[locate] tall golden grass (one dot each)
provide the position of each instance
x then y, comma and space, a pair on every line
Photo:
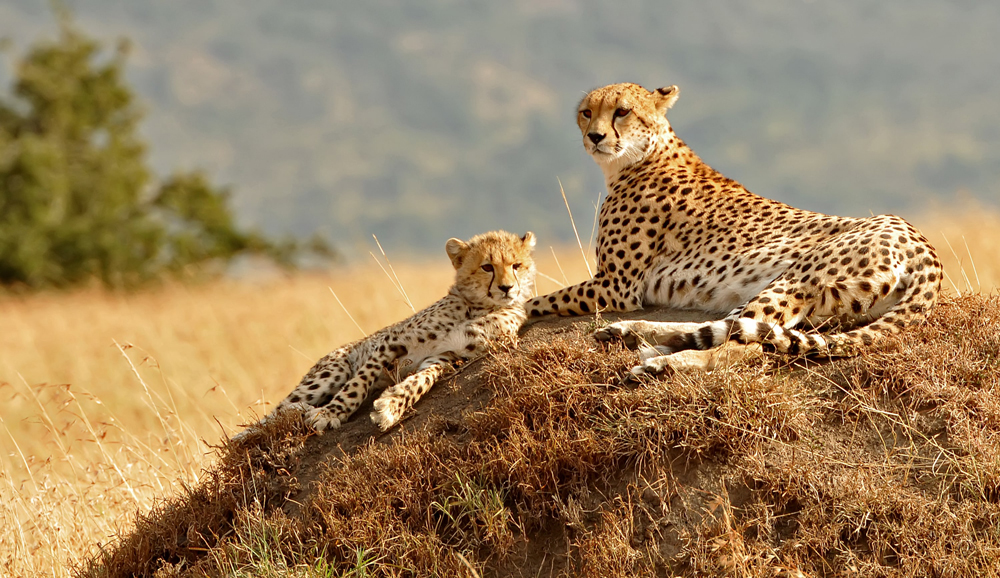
967, 238
112, 400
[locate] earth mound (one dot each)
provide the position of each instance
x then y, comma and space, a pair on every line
540, 460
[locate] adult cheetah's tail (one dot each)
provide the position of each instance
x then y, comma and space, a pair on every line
915, 300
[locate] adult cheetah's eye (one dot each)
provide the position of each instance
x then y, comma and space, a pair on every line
585, 113
488, 268
622, 112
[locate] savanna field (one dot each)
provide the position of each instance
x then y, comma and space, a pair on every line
115, 401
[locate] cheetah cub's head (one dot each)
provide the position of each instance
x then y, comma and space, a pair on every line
494, 269
621, 123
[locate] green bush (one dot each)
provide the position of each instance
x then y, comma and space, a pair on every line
77, 199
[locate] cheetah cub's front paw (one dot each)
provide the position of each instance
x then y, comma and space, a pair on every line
621, 330
322, 419
388, 410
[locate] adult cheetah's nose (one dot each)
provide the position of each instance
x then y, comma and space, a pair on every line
595, 137
505, 288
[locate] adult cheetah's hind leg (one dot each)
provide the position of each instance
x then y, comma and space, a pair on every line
395, 400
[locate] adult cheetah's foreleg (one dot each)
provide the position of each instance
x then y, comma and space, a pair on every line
602, 293
395, 400
654, 362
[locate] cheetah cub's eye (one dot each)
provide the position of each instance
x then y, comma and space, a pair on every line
516, 266
488, 268
585, 113
622, 112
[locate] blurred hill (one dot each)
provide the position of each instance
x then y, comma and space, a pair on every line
420, 122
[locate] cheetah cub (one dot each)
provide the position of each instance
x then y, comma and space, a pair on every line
675, 232
494, 277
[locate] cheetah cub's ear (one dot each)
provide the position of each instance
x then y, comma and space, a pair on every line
666, 97
456, 249
529, 240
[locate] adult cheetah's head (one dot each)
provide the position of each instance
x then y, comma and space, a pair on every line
494, 269
620, 122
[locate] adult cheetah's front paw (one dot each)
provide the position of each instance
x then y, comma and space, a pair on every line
619, 331
652, 367
388, 411
322, 419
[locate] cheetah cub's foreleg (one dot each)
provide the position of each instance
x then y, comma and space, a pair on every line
395, 400
470, 338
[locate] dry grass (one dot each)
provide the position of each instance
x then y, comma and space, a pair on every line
95, 432
114, 400
966, 237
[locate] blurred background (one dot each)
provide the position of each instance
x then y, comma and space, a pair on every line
417, 121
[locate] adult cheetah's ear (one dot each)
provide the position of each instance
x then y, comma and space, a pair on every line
456, 249
666, 97
529, 240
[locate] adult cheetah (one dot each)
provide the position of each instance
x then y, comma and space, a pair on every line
494, 277
675, 232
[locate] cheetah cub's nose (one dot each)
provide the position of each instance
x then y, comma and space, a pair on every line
505, 288
595, 137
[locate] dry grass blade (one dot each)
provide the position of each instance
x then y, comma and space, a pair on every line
465, 562
593, 226
349, 316
548, 278
392, 278
972, 261
961, 265
559, 266
50, 424
109, 460
145, 388
575, 233
20, 453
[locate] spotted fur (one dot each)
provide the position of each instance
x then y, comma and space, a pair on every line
675, 232
494, 277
